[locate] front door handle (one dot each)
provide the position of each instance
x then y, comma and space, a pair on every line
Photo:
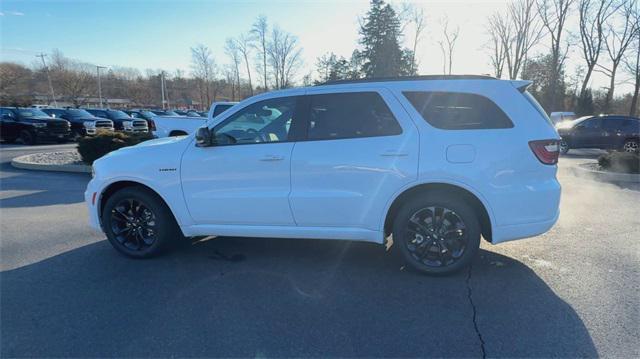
271, 158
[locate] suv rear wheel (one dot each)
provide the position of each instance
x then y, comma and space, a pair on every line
437, 233
631, 146
138, 223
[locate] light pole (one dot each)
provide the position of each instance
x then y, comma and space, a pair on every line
53, 95
99, 84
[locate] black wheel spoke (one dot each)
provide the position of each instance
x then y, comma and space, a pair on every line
133, 224
436, 236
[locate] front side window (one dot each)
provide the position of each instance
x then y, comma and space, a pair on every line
458, 111
592, 123
350, 115
262, 122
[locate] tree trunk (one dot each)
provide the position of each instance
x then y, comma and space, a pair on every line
634, 100
587, 77
612, 86
246, 61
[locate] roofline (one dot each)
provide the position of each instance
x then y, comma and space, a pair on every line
409, 78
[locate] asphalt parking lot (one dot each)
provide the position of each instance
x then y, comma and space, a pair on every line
574, 291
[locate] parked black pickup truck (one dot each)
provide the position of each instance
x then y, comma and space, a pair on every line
607, 132
31, 125
82, 122
121, 121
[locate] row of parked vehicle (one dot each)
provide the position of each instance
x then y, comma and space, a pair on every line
31, 125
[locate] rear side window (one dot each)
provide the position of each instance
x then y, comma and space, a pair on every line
611, 123
458, 111
220, 109
350, 115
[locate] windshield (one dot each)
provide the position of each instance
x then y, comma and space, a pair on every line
118, 115
32, 112
78, 113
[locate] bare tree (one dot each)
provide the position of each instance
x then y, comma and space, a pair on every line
243, 44
518, 31
620, 32
73, 78
14, 83
410, 14
593, 15
553, 14
231, 49
260, 30
284, 57
447, 45
203, 68
498, 52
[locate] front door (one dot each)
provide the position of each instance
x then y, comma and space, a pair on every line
245, 178
587, 134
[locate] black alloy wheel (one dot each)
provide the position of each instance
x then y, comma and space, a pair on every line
138, 223
437, 233
133, 224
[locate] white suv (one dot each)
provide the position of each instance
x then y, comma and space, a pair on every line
430, 163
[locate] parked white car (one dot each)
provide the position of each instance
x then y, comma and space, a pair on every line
169, 126
429, 163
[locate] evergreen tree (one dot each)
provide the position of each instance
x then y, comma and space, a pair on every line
382, 54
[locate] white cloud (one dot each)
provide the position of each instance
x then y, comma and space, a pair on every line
15, 13
1, 13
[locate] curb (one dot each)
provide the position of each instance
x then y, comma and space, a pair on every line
582, 170
23, 162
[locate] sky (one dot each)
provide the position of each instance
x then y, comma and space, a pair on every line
158, 34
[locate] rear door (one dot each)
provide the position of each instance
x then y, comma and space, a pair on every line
612, 132
360, 149
588, 133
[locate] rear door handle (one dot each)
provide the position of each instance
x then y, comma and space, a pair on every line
271, 158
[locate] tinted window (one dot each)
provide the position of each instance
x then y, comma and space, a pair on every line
350, 115
98, 113
611, 123
592, 123
458, 111
264, 121
220, 109
32, 112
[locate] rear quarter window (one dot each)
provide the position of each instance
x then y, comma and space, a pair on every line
458, 111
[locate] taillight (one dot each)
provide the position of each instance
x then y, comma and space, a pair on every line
547, 151
152, 125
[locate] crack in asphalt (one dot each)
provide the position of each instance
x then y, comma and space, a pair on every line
473, 306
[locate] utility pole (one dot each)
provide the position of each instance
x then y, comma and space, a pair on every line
162, 87
99, 84
53, 95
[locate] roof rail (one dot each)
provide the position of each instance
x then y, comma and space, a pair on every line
409, 78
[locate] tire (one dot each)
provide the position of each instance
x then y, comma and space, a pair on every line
631, 146
156, 234
564, 147
428, 250
28, 138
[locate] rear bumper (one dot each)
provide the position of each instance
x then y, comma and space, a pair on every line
520, 231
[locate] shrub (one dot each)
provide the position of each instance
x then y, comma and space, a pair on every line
620, 162
92, 148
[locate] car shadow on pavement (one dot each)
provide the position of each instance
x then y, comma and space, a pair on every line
25, 188
254, 297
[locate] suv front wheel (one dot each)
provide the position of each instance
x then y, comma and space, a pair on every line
437, 233
138, 223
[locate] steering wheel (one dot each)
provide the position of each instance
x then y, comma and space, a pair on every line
260, 137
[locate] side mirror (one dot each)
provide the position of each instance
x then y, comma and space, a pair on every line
203, 137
